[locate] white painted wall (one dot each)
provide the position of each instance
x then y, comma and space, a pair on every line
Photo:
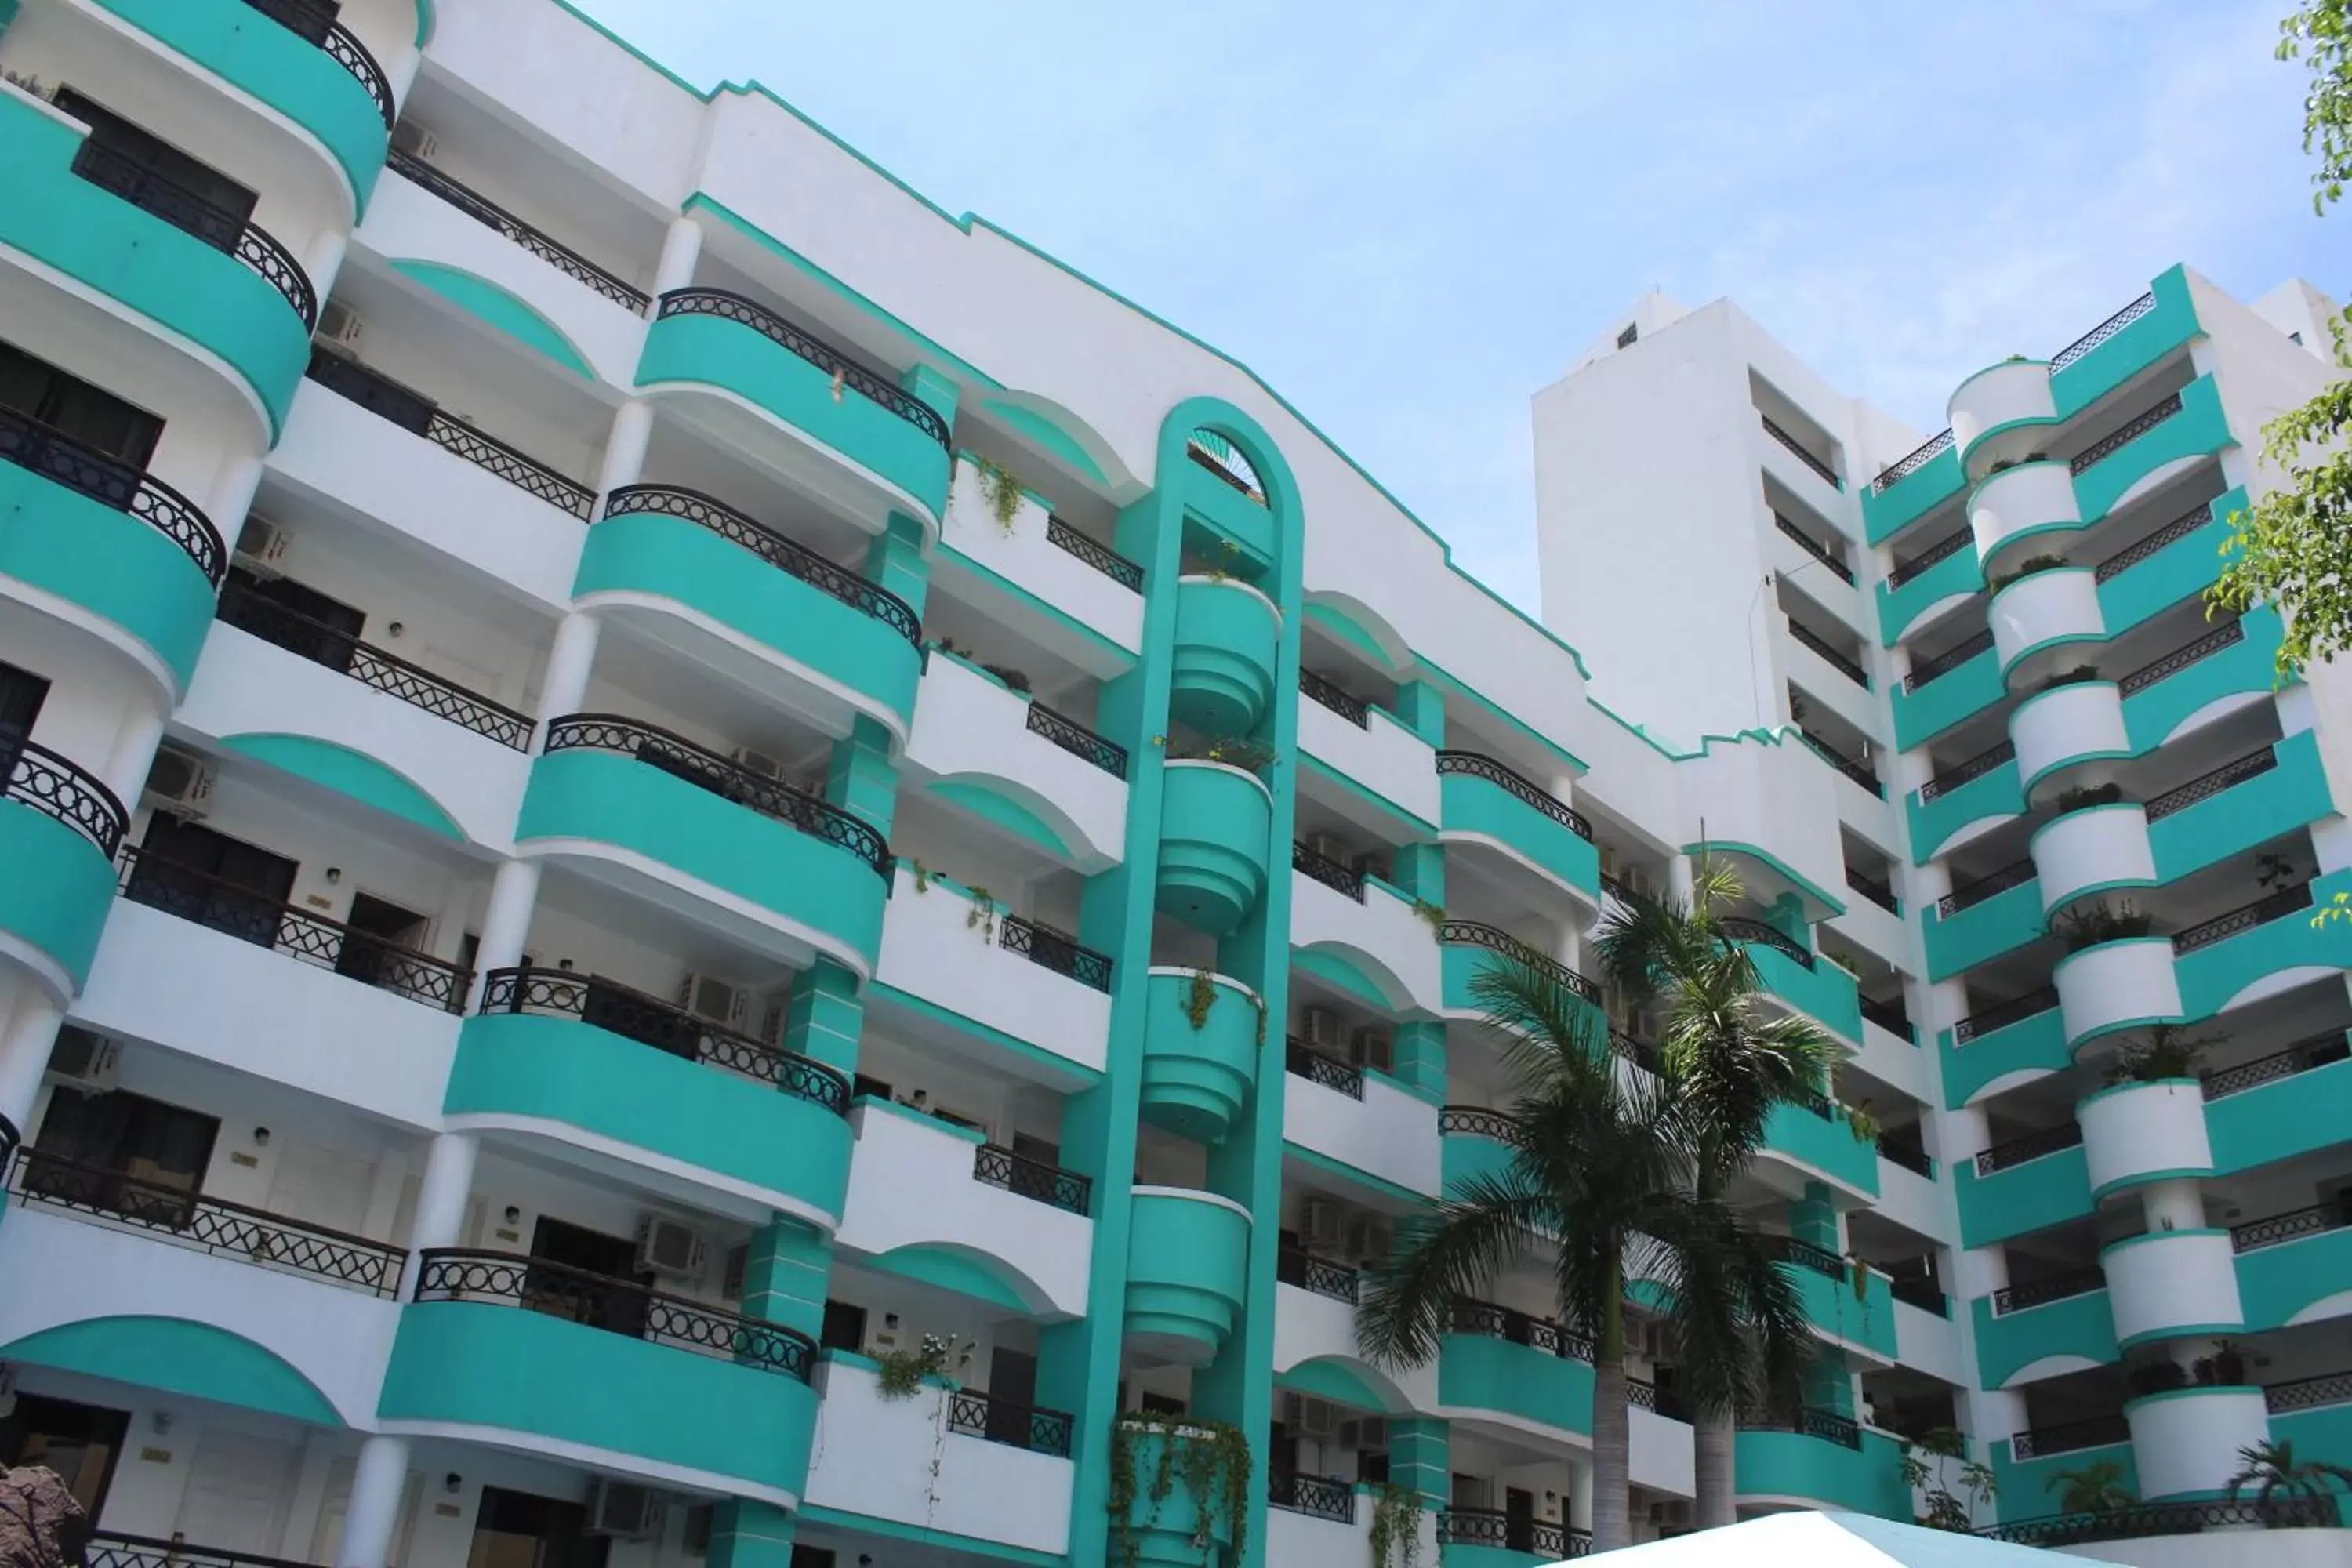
1305, 1538
1388, 1134
970, 727
1382, 928
2248, 1549
2156, 1128
2187, 1280
1774, 794
2189, 1443
930, 949
1308, 1325
1022, 555
1384, 757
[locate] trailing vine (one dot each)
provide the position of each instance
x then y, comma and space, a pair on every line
922, 875
1002, 488
1432, 915
1396, 1527
1212, 1460
903, 1371
983, 915
1199, 998
1258, 1002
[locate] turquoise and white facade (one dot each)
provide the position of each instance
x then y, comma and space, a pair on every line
641, 771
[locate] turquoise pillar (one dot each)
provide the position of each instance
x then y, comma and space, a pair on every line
895, 561
933, 388
1421, 1059
1828, 1384
861, 779
1422, 708
785, 1275
1419, 1450
822, 1015
747, 1534
1813, 1219
1421, 871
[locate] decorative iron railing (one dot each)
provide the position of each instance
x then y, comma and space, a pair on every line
371, 666
2292, 1226
1099, 556
708, 770
1828, 655
2147, 1519
1977, 890
1219, 464
2308, 1392
1078, 740
1910, 463
2207, 786
617, 1306
2102, 332
2032, 1146
1828, 474
1975, 768
1471, 933
1305, 857
2317, 1051
153, 192
2070, 1437
1926, 674
240, 911
1640, 1053
368, 387
1870, 888
1812, 547
483, 210
1057, 951
1311, 1495
1747, 932
32, 774
1890, 1016
1339, 1282
1489, 1527
1032, 1179
1809, 1422
1910, 1155
2223, 636
1491, 1321
846, 372
2179, 528
788, 556
1484, 767
1304, 1061
2051, 1288
1475, 1122
109, 1549
1921, 1292
207, 1223
1853, 768
1806, 1254
1943, 549
2100, 451
2262, 911
1354, 709
2002, 1014
633, 1014
52, 453
317, 24
1039, 1430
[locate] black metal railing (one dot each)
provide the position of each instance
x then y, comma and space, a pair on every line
35, 776
2031, 1146
1354, 709
2317, 1051
1032, 1179
1640, 1053
729, 781
1969, 772
2245, 918
1802, 1253
1952, 659
1470, 933
1829, 655
2050, 1287
1828, 474
2002, 1015
2102, 332
846, 372
1057, 951
1307, 1062
240, 911
663, 1026
1890, 1016
1812, 547
2207, 786
1095, 553
1508, 1532
1935, 554
1039, 1430
786, 555
317, 25
2070, 1437
1853, 768
2308, 1392
483, 210
2292, 1226
1977, 890
1910, 463
2179, 528
1495, 1322
1295, 1266
1311, 1495
617, 1306
1218, 466
1907, 1153
2100, 451
1484, 767
1475, 1122
1305, 857
208, 1223
339, 651
1922, 1291
9, 1139
1809, 1422
2140, 1519
367, 387
2223, 636
153, 192
1078, 740
57, 457
1870, 888
110, 1548
1747, 932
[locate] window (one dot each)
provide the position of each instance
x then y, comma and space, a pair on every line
1625, 339
21, 695
123, 1153
519, 1530
149, 171
199, 875
117, 440
80, 1442
844, 1328
380, 395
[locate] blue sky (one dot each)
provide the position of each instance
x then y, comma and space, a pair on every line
1409, 217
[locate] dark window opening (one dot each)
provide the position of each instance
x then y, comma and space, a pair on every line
1625, 339
844, 1328
615, 1300
80, 1442
520, 1530
153, 1156
236, 888
150, 173
294, 616
113, 439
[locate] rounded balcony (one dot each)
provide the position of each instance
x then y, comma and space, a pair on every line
2070, 734
2037, 618
2126, 984
2187, 1442
650, 812
59, 829
1214, 828
2019, 504
1227, 637
2172, 1284
1187, 1273
2002, 414
2094, 850
1203, 1036
2138, 1132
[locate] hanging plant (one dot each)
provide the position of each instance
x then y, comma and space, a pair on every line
1199, 998
1863, 1124
1214, 1459
922, 875
903, 1371
1259, 1003
1432, 915
983, 915
1002, 488
1396, 1527
1861, 1286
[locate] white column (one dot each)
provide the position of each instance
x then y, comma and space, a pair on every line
681, 248
625, 447
231, 497
568, 663
2174, 1206
1579, 1495
441, 1200
325, 263
1679, 878
24, 1054
377, 1481
400, 73
514, 896
133, 754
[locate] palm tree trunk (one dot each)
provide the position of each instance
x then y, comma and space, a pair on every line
1711, 1454
1612, 1524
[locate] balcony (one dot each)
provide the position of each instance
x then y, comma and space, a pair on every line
1225, 499
2002, 413
1485, 803
1369, 747
2037, 618
1940, 692
1035, 985
1485, 1538
59, 828
870, 447
2025, 1184
2221, 959
1363, 933
2292, 1267
611, 793
1820, 553
579, 1060
1806, 460
1062, 588
987, 742
1228, 637
120, 543
1982, 918
1982, 790
1198, 1073
2025, 1033
1943, 573
1215, 824
2280, 1107
2093, 850
2168, 565
1365, 1123
2134, 1133
2187, 425
629, 1378
2238, 806
224, 286
2026, 501
1816, 1137
2173, 694
1862, 1322
835, 631
2044, 1328
2064, 731
1525, 1368
1818, 1458
2142, 1520
1911, 487
1801, 980
1187, 1272
2169, 1284
2189, 1442
1467, 946
2114, 985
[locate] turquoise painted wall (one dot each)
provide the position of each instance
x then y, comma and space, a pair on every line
1478, 1372
350, 774
57, 889
2293, 794
1466, 1156
2182, 568
2197, 429
2210, 976
1998, 793
1832, 1306
2133, 349
1888, 512
1826, 1144
1473, 805
175, 1355
2283, 1120
2021, 1199
1792, 1465
2008, 1342
1220, 677
1825, 992
1217, 515
1962, 692
1214, 846
1187, 1269
2025, 1484
2247, 666
1196, 1082
2321, 1434
1958, 573
2276, 1283
2006, 921
107, 561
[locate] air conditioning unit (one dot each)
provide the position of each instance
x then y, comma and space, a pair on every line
1310, 1417
1320, 1027
339, 323
1677, 1512
1371, 1048
82, 1060
260, 545
1370, 1434
622, 1510
179, 781
1370, 1239
1328, 846
667, 1248
414, 140
1322, 1223
708, 997
759, 763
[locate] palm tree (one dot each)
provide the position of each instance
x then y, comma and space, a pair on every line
2272, 1468
1743, 1343
2097, 1487
1598, 1188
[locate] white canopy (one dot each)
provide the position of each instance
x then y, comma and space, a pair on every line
1832, 1540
